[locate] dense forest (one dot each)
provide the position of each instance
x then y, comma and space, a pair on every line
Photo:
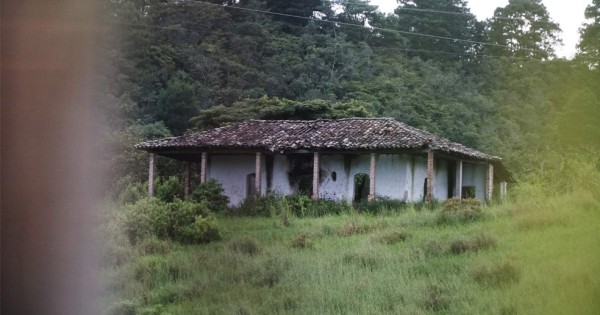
496, 85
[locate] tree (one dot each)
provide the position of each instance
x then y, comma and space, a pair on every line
418, 16
589, 43
523, 28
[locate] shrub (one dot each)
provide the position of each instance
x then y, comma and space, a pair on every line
263, 206
154, 246
132, 192
245, 245
380, 204
459, 210
434, 248
391, 238
202, 230
168, 189
143, 219
178, 220
352, 228
212, 193
498, 274
436, 299
303, 240
480, 242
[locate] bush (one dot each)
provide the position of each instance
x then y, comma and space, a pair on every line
391, 238
380, 205
186, 222
303, 240
478, 243
212, 193
245, 245
168, 189
460, 210
498, 274
262, 206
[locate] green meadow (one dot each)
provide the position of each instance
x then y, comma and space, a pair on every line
527, 255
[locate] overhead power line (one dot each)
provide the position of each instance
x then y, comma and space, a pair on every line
178, 27
365, 5
363, 26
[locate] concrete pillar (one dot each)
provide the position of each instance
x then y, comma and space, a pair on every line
430, 179
502, 190
489, 182
186, 180
372, 175
257, 177
315, 185
203, 168
151, 167
459, 180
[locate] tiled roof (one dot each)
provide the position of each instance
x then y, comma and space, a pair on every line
322, 134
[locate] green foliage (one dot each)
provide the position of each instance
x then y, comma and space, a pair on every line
480, 242
275, 108
498, 274
526, 28
168, 189
460, 210
185, 222
244, 245
211, 192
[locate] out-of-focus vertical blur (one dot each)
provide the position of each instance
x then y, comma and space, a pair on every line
49, 177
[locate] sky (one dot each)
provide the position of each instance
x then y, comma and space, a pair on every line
568, 14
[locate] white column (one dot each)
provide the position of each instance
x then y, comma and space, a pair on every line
459, 180
430, 179
257, 177
151, 167
315, 185
489, 187
203, 168
372, 176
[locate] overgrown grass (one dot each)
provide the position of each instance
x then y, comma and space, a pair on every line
528, 256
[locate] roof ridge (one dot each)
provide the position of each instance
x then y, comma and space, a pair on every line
319, 119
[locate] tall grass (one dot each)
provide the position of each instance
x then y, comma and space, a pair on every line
537, 253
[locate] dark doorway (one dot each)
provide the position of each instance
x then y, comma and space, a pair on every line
251, 185
451, 178
301, 172
361, 187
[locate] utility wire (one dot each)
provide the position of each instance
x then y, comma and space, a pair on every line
365, 5
363, 26
177, 27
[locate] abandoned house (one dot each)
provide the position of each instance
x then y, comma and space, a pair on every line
352, 159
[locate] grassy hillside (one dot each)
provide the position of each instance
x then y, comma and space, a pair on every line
532, 256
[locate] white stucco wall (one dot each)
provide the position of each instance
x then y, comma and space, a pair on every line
474, 175
440, 180
419, 174
328, 188
230, 170
280, 180
398, 176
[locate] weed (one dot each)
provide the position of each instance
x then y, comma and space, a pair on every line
391, 238
436, 300
154, 246
497, 275
434, 248
245, 245
480, 242
363, 260
459, 210
352, 228
302, 240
